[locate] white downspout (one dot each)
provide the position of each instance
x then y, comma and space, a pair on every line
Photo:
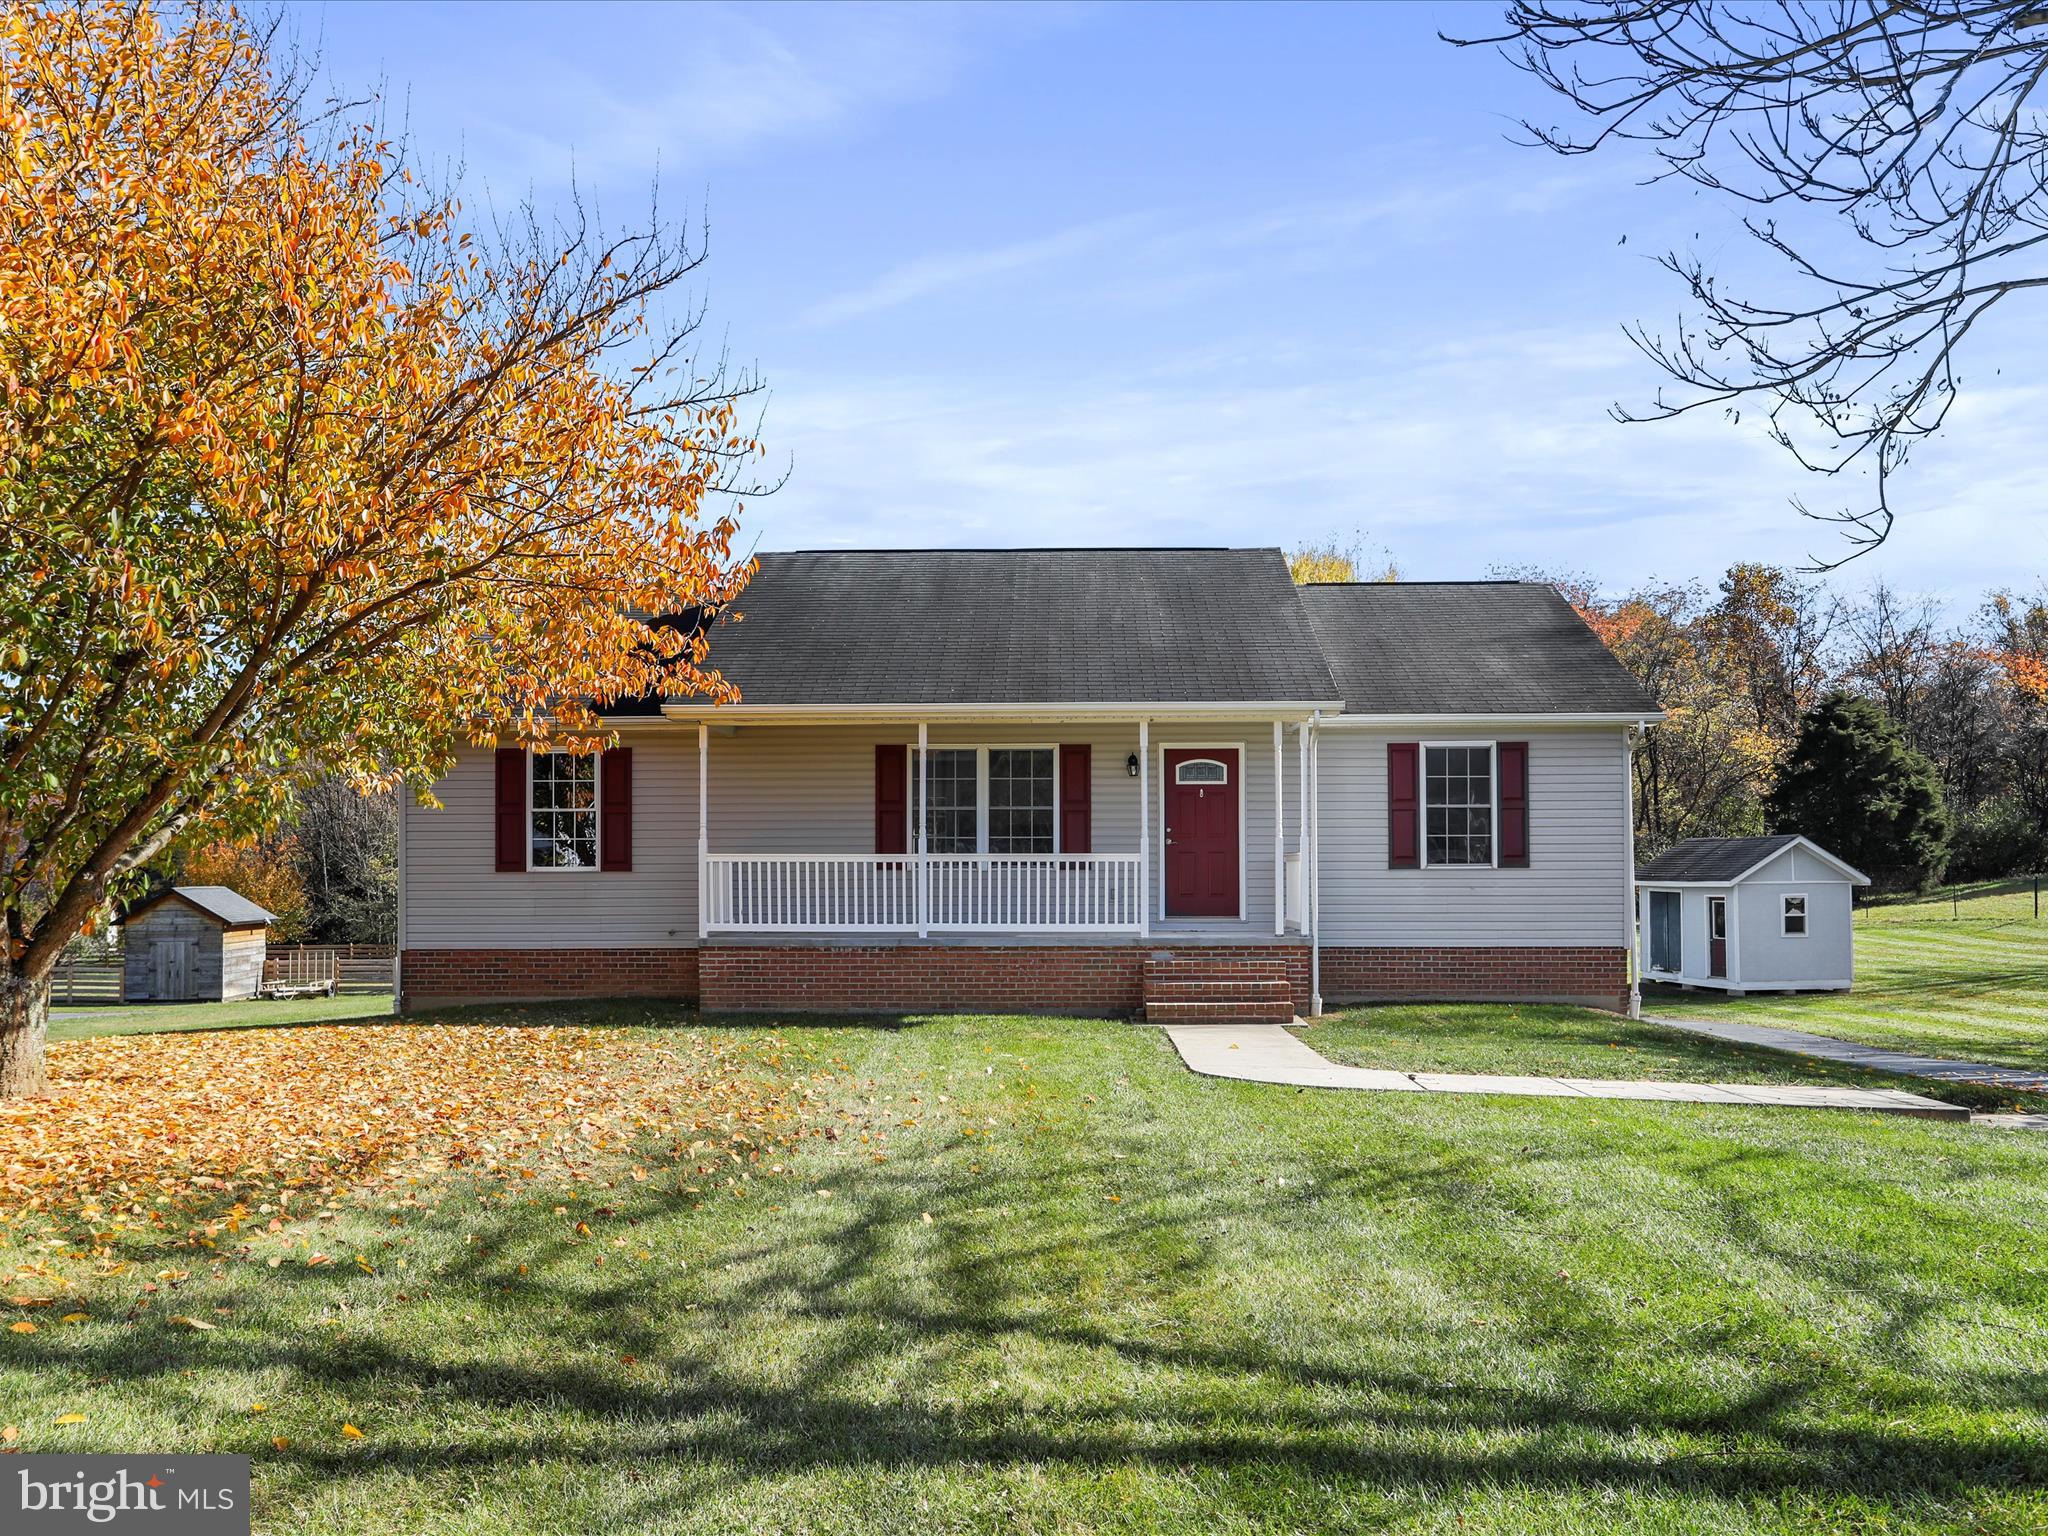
1314, 873
703, 829
1630, 900
1301, 823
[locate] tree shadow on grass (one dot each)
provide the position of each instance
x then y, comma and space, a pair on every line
858, 1336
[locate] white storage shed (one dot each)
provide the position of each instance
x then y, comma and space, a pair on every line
1748, 914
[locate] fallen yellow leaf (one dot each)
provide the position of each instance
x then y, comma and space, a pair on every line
351, 1431
193, 1322
259, 1407
70, 1418
9, 1433
75, 1317
24, 1326
279, 1442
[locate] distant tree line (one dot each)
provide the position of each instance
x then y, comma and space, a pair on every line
1743, 666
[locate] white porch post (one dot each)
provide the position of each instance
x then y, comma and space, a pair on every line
1301, 824
1279, 834
924, 868
1144, 829
703, 829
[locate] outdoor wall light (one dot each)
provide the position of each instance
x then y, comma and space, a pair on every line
1131, 765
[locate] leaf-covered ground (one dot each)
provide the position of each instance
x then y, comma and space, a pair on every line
1032, 1275
222, 1138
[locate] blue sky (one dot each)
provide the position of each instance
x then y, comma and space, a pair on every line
1151, 274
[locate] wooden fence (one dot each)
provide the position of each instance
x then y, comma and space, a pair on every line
87, 979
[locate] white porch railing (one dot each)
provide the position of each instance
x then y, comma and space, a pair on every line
877, 893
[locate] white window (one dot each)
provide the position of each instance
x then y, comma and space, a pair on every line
953, 820
990, 799
1795, 916
1201, 770
1020, 793
562, 811
1457, 803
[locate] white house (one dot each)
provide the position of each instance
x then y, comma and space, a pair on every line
1748, 914
1089, 780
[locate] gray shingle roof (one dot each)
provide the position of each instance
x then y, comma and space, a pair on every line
219, 901
1021, 626
1712, 858
1474, 647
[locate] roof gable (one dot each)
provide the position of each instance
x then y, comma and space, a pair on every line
1728, 860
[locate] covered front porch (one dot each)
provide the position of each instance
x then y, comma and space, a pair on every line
896, 830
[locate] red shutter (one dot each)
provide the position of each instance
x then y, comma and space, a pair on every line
615, 809
511, 811
1404, 849
1514, 804
892, 787
1077, 798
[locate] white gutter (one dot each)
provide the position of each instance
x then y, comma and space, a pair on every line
1042, 709
1313, 873
1366, 722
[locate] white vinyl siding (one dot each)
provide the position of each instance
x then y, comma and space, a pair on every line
1573, 892
774, 789
454, 899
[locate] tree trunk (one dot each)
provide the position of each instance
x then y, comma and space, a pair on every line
24, 1022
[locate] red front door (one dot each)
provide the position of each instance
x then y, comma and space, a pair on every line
1201, 831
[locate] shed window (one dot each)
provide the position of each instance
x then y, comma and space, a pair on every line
1457, 804
1795, 916
562, 810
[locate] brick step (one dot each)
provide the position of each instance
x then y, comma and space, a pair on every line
1215, 970
1179, 990
1254, 1011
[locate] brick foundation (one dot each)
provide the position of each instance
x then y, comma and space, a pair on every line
433, 977
1037, 978
1589, 975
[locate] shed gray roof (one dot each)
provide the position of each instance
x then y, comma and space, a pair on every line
1706, 859
230, 907
1466, 647
1021, 626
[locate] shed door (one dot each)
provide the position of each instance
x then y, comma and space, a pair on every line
174, 967
1665, 934
1717, 935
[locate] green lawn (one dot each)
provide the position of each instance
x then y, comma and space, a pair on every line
1979, 901
1976, 991
1033, 1275
1580, 1042
86, 1021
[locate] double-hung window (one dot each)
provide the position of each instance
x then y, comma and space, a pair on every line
562, 810
1458, 804
1794, 909
989, 800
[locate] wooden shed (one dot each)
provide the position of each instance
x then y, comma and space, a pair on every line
194, 943
1749, 914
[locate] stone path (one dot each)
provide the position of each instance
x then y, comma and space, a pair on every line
1940, 1069
1267, 1053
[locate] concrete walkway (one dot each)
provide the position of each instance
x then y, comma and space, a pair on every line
1940, 1069
1267, 1053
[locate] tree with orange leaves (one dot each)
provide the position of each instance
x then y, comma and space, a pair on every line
301, 477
